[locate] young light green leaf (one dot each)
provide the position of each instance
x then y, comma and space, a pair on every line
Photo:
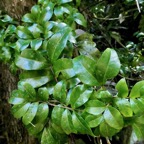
139, 119
84, 68
124, 107
65, 66
19, 110
35, 78
43, 94
122, 88
94, 121
135, 92
113, 118
138, 130
42, 113
59, 92
31, 60
30, 114
57, 43
23, 32
79, 96
107, 66
63, 1
66, 122
95, 107
36, 44
16, 100
106, 130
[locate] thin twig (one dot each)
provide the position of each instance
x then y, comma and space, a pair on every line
107, 140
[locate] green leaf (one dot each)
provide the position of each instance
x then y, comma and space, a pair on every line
113, 118
47, 137
57, 43
63, 1
16, 100
79, 96
36, 44
28, 18
31, 60
139, 119
58, 11
35, 78
59, 92
106, 130
34, 129
94, 121
35, 10
23, 32
84, 68
138, 130
137, 106
95, 107
122, 88
22, 44
135, 92
66, 122
42, 113
79, 19
107, 66
19, 110
30, 114
47, 12
57, 114
81, 125
43, 94
65, 66
124, 107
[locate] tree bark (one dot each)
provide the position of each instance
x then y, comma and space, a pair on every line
12, 130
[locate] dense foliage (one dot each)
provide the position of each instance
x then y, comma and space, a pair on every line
66, 84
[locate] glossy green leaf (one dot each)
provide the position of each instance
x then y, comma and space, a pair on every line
43, 94
113, 118
19, 110
140, 119
42, 113
79, 96
30, 114
16, 100
138, 130
59, 92
47, 12
58, 11
122, 88
135, 92
23, 32
79, 19
124, 107
35, 10
57, 114
57, 128
57, 43
95, 107
36, 44
66, 122
63, 1
107, 66
94, 121
65, 66
30, 60
47, 137
137, 106
81, 125
34, 129
106, 130
28, 18
22, 44
84, 68
35, 78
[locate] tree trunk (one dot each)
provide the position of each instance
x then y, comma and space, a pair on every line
12, 130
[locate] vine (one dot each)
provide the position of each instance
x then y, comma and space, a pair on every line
62, 88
